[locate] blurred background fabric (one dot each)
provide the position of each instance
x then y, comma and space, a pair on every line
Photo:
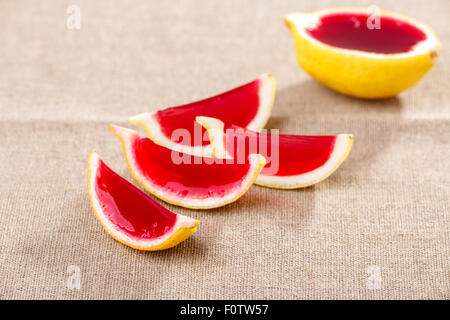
379, 228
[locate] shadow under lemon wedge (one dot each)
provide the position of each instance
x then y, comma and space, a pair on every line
361, 54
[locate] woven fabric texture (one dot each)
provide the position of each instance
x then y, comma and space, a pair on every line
383, 216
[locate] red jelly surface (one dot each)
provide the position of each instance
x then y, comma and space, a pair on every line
350, 31
296, 154
129, 208
193, 178
238, 106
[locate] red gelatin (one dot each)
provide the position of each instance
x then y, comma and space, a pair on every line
296, 154
350, 31
238, 106
129, 208
195, 177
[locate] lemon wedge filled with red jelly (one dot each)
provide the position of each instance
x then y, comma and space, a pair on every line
129, 215
186, 180
248, 106
363, 54
292, 161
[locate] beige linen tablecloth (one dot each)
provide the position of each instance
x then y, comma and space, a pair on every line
377, 228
